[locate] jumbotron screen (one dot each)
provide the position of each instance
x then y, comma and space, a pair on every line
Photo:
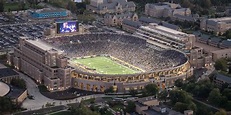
67, 27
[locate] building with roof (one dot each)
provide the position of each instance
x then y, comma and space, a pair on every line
188, 18
43, 63
7, 74
111, 6
223, 53
17, 95
214, 41
117, 19
130, 26
216, 25
165, 9
199, 59
166, 37
49, 13
228, 12
149, 101
220, 79
171, 26
202, 38
150, 106
225, 44
148, 20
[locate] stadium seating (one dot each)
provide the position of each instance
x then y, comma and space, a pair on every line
125, 47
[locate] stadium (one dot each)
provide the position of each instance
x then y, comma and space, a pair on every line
125, 62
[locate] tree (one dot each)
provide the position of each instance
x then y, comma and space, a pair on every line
130, 107
150, 89
163, 95
221, 112
20, 83
179, 96
22, 5
186, 4
72, 6
221, 64
82, 110
215, 97
179, 106
133, 92
109, 90
227, 93
6, 105
1, 5
192, 106
206, 3
179, 83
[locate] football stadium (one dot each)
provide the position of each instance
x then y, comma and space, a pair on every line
102, 60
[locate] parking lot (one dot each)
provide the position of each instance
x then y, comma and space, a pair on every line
19, 26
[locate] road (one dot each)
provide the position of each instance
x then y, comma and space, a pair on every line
40, 100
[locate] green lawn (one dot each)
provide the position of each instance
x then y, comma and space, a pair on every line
13, 7
105, 65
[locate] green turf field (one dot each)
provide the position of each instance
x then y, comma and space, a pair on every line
105, 65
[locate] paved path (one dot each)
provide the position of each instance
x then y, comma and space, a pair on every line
40, 100
206, 104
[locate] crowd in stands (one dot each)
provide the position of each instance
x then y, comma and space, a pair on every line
124, 47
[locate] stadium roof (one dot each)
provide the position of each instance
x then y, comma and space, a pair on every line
5, 72
4, 89
170, 30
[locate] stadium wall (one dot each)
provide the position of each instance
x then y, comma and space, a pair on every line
100, 82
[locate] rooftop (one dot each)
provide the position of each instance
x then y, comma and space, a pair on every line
226, 43
223, 19
42, 45
132, 23
15, 92
151, 112
171, 26
5, 72
223, 78
148, 20
146, 99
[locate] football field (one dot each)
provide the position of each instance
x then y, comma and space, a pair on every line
105, 65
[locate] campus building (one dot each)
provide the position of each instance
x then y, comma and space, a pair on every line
116, 20
219, 80
43, 63
166, 37
111, 6
216, 25
199, 59
7, 74
49, 13
165, 9
223, 53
